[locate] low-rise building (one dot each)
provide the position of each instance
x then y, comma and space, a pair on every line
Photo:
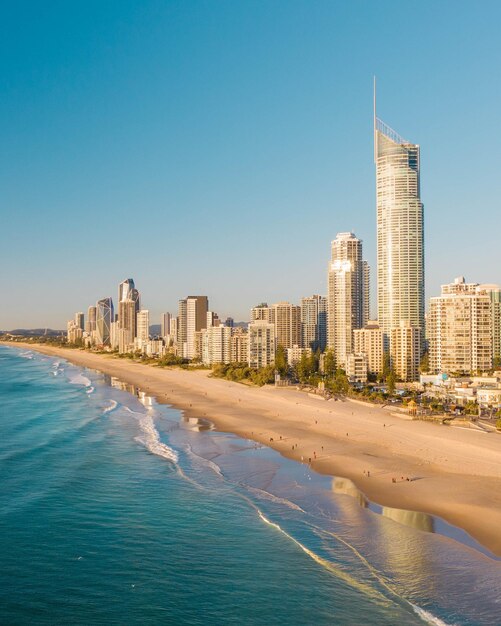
356, 367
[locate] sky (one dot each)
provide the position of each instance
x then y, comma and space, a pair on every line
218, 147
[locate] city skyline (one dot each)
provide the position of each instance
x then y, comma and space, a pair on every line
277, 159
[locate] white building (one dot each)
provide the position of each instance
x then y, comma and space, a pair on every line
165, 324
356, 368
216, 345
295, 354
261, 344
462, 328
348, 291
405, 351
400, 246
314, 322
370, 341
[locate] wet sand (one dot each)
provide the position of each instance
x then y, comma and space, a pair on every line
454, 473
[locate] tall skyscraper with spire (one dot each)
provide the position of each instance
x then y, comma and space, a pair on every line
400, 243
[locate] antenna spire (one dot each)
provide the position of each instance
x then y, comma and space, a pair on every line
374, 119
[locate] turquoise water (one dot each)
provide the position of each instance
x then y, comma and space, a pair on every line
116, 510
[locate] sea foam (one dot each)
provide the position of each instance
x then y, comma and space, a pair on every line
151, 439
110, 408
80, 379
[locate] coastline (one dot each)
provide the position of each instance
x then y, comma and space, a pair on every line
455, 474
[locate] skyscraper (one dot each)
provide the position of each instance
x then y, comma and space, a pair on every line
400, 244
192, 318
165, 324
463, 328
80, 320
128, 308
91, 319
104, 318
143, 326
314, 322
287, 320
347, 291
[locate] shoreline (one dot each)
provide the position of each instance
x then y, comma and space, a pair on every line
455, 474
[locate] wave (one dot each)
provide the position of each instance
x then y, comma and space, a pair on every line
265, 495
110, 408
428, 617
347, 578
90, 390
422, 613
214, 467
26, 355
80, 379
151, 441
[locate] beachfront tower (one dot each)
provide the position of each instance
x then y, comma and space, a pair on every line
348, 289
104, 318
400, 245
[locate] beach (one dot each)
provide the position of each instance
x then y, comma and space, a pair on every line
453, 473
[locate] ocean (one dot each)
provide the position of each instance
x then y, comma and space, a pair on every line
117, 510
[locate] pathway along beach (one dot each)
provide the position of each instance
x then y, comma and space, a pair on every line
453, 473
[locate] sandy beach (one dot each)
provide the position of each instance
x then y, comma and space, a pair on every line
454, 473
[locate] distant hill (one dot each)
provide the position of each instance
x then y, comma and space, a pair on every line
33, 332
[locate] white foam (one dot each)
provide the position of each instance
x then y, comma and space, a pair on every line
428, 617
266, 495
26, 355
90, 390
110, 408
80, 379
151, 440
213, 466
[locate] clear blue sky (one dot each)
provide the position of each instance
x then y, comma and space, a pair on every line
218, 147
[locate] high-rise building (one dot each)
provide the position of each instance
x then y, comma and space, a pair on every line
314, 322
216, 345
463, 327
405, 350
370, 341
80, 320
400, 243
90, 326
262, 312
127, 325
128, 308
143, 325
181, 333
239, 345
261, 343
74, 330
494, 292
347, 291
192, 318
104, 318
165, 321
287, 320
212, 319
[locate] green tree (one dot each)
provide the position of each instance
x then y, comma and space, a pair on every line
281, 364
303, 369
498, 423
424, 364
329, 363
391, 380
386, 367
